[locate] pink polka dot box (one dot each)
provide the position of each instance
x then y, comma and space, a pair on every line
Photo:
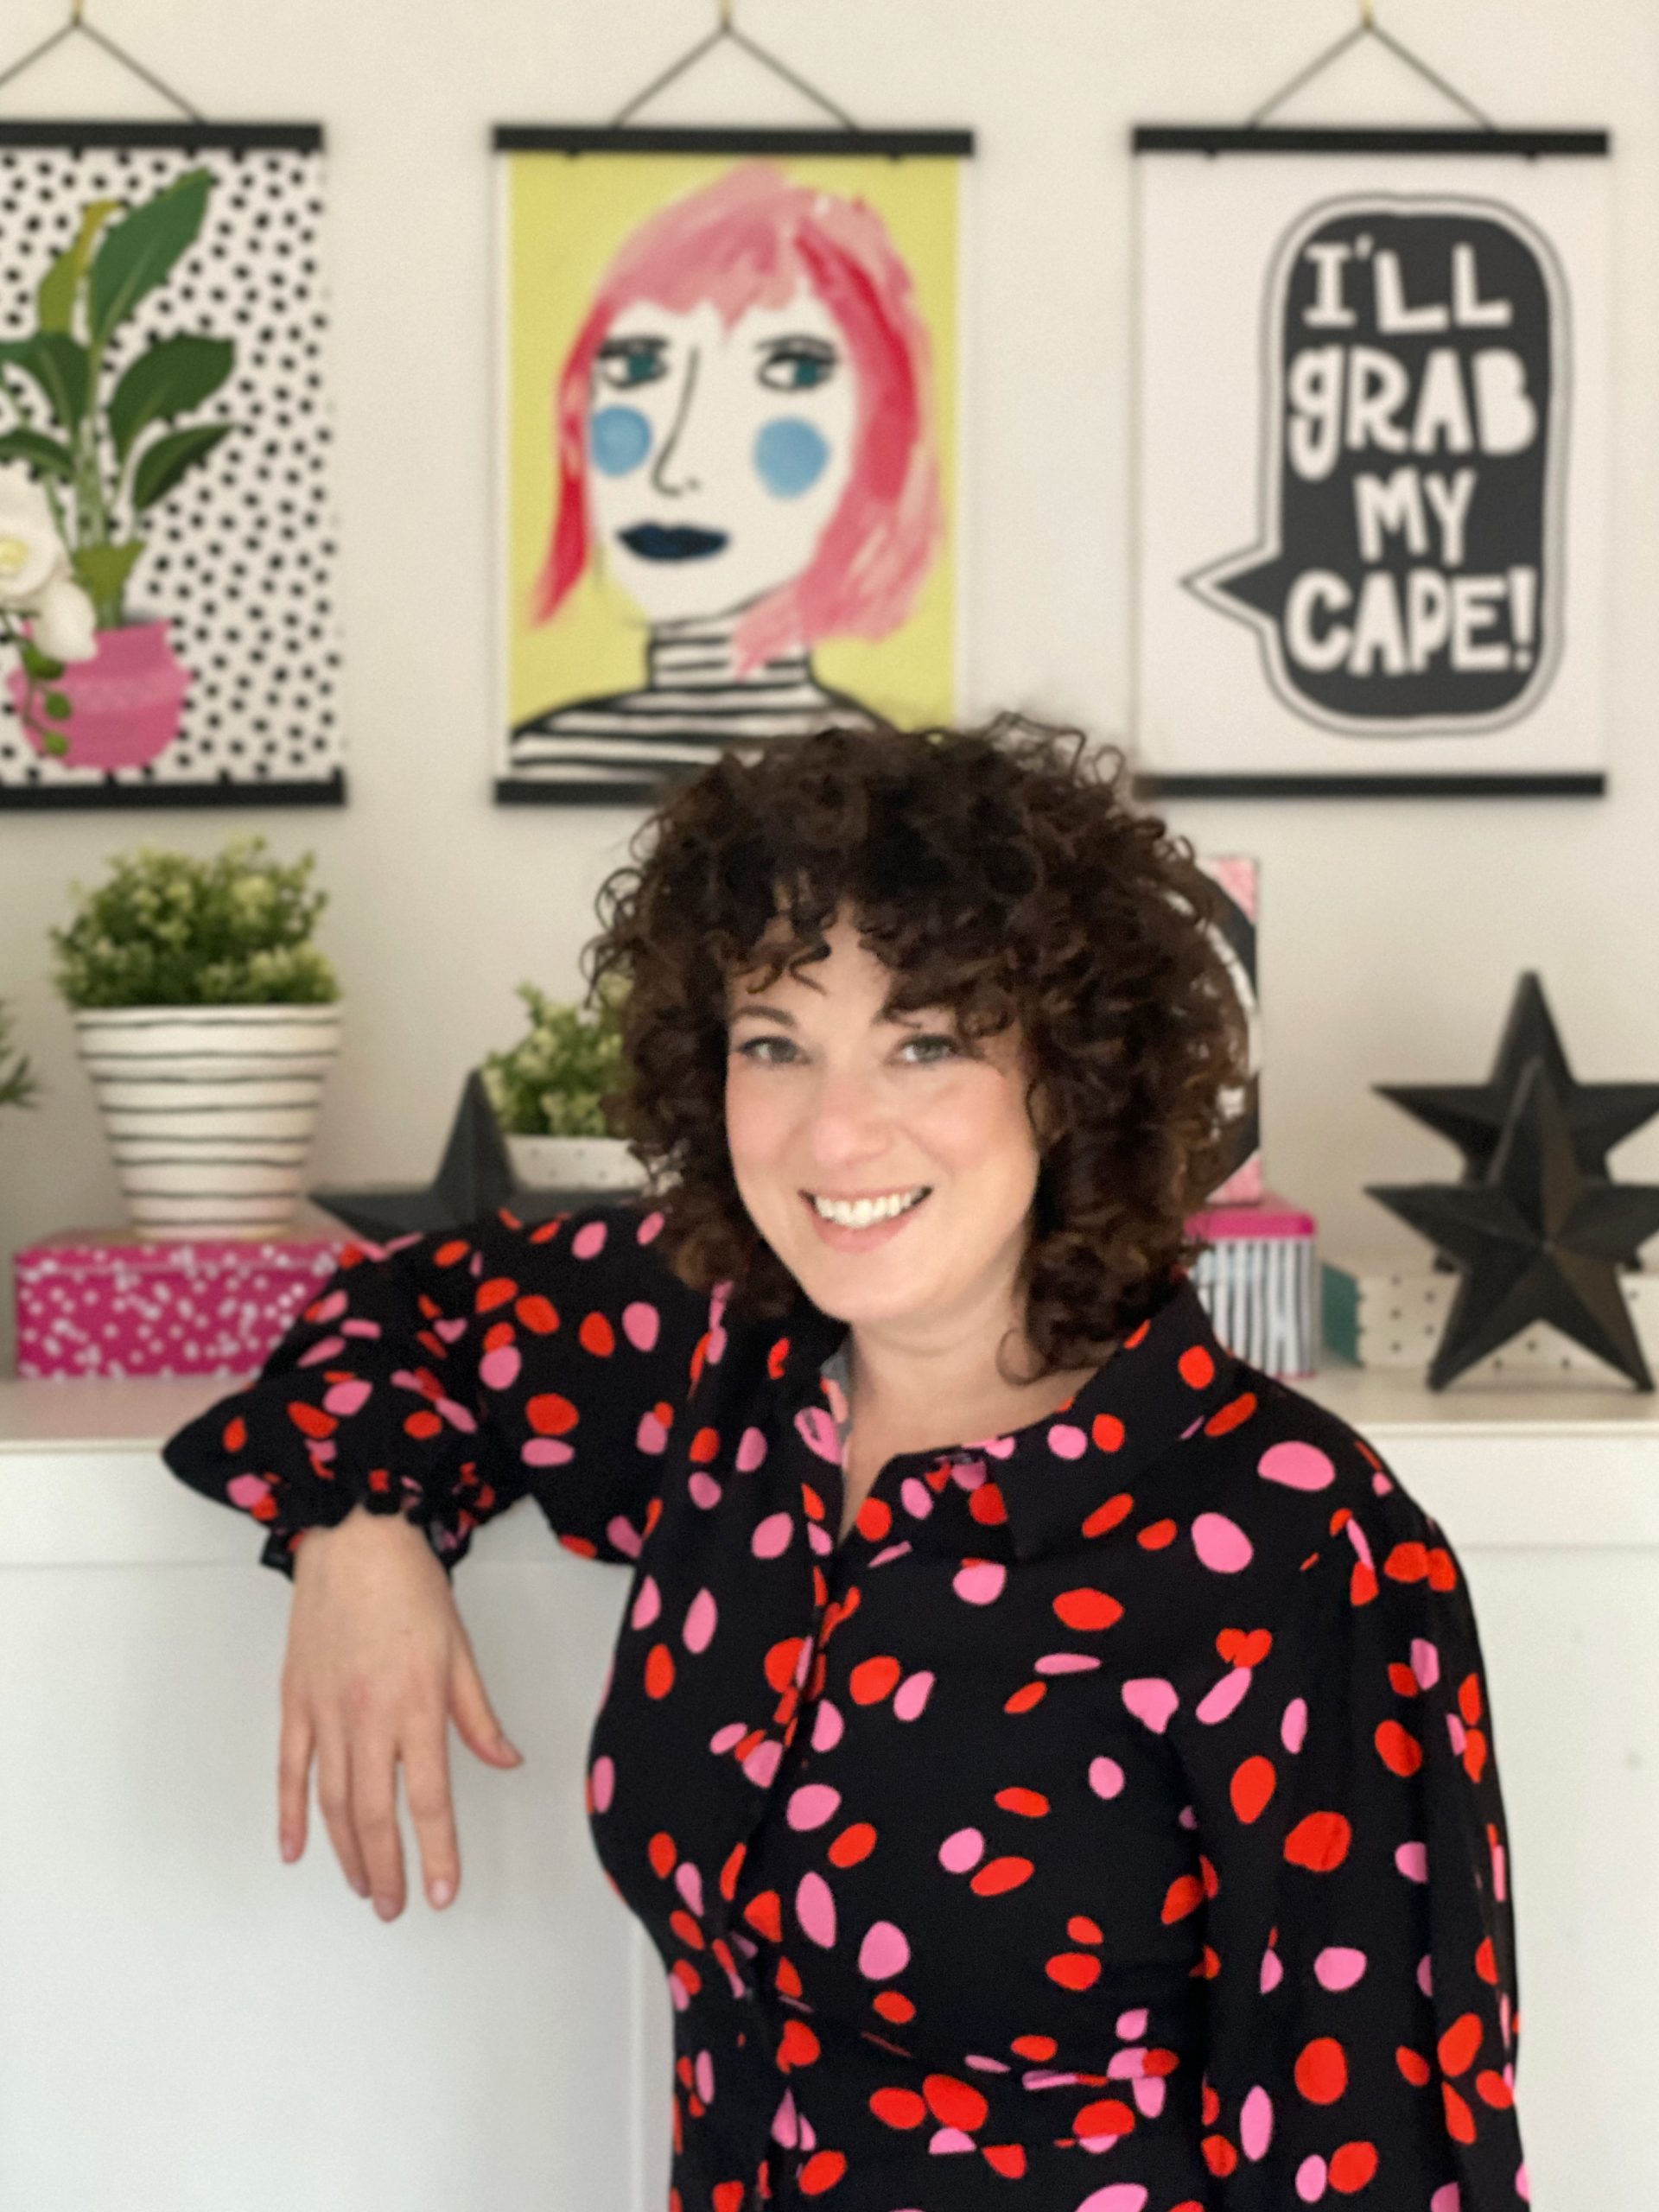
95, 1303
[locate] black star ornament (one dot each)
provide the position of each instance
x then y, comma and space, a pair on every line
474, 1178
1537, 1238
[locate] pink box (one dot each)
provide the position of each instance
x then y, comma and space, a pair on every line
92, 1302
1268, 1215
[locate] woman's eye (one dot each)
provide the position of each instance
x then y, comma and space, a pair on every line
624, 363
797, 365
755, 1049
934, 1037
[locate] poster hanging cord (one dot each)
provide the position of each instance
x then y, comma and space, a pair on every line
78, 25
725, 28
1368, 27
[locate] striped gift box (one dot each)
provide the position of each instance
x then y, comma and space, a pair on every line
1257, 1282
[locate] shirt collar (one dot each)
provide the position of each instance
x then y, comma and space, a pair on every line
1166, 1378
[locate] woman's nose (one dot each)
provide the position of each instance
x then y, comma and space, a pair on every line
848, 1120
677, 472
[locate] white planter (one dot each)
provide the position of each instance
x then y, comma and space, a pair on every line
574, 1163
209, 1110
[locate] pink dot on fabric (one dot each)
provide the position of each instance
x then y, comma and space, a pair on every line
689, 1882
679, 1996
822, 1435
499, 1369
458, 1416
624, 1536
651, 1228
814, 1908
981, 1582
1448, 2197
1221, 1544
705, 1490
701, 1615
811, 1805
1297, 1465
650, 1435
546, 1451
1117, 2196
1273, 1970
912, 1695
602, 1780
1311, 2176
704, 2075
1132, 2025
771, 1535
1106, 1780
1426, 1976
1338, 1966
647, 1605
589, 1240
324, 1350
329, 1308
1425, 1662
247, 1490
1148, 2095
761, 1764
724, 1739
1151, 1700
883, 1951
916, 1497
1065, 1662
640, 1324
1255, 2123
961, 1851
1067, 1442
751, 1451
943, 2140
1226, 1697
1412, 1859
345, 1398
827, 1728
1292, 1729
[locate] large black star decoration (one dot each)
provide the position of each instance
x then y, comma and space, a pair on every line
474, 1178
1473, 1114
1537, 1238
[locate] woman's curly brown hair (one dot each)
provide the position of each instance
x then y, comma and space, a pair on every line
1000, 871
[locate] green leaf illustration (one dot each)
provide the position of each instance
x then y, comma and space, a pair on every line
54, 299
59, 365
138, 253
175, 374
102, 570
46, 456
161, 465
41, 666
59, 705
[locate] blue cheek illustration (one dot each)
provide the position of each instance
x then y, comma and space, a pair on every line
619, 438
790, 456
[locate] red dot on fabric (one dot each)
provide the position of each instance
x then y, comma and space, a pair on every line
997, 1876
1219, 2155
659, 1670
1037, 2047
1184, 1895
892, 2005
1030, 1803
875, 1519
1157, 1536
1319, 1842
1252, 1785
853, 1845
1007, 2159
1106, 2116
1072, 1970
597, 1336
898, 2108
1322, 2070
447, 1254
956, 2104
1407, 1562
549, 1415
1197, 1367
423, 1425
538, 1314
1023, 1699
1088, 1609
1232, 1416
1106, 1517
798, 2046
1412, 2064
1352, 2167
874, 1679
662, 1854
1082, 1929
236, 1434
1107, 1432
705, 1444
1458, 2045
822, 2172
1397, 1748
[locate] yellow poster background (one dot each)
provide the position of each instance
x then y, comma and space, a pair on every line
565, 215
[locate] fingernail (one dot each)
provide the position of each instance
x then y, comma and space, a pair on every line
511, 1750
289, 1848
441, 1892
385, 1907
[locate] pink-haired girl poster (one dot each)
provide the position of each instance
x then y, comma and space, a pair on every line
729, 445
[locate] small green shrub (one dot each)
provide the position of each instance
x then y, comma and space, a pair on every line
168, 928
552, 1083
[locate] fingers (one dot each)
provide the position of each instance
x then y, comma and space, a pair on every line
335, 1803
426, 1787
293, 1782
373, 1800
475, 1716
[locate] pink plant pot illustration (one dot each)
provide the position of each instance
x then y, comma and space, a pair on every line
127, 700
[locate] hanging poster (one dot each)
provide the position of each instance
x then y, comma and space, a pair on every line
168, 631
729, 455
1373, 378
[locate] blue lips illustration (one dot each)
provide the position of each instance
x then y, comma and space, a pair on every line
656, 541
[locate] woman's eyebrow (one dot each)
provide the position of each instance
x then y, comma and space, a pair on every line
763, 1014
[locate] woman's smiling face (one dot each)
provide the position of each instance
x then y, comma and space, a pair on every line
827, 1099
716, 457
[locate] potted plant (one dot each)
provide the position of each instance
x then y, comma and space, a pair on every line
17, 1084
97, 428
206, 1019
550, 1092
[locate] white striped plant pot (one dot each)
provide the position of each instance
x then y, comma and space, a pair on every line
574, 1163
209, 1110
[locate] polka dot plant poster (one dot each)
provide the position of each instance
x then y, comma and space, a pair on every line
168, 615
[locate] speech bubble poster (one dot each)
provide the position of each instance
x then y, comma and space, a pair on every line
1372, 421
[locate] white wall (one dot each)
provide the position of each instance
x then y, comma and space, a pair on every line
1391, 931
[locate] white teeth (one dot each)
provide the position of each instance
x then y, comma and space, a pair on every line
859, 1213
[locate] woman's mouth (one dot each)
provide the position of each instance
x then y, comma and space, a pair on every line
858, 1224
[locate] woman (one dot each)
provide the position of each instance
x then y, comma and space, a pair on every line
746, 442
1052, 1758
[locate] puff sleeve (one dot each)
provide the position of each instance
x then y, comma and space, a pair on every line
446, 1374
1361, 2004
